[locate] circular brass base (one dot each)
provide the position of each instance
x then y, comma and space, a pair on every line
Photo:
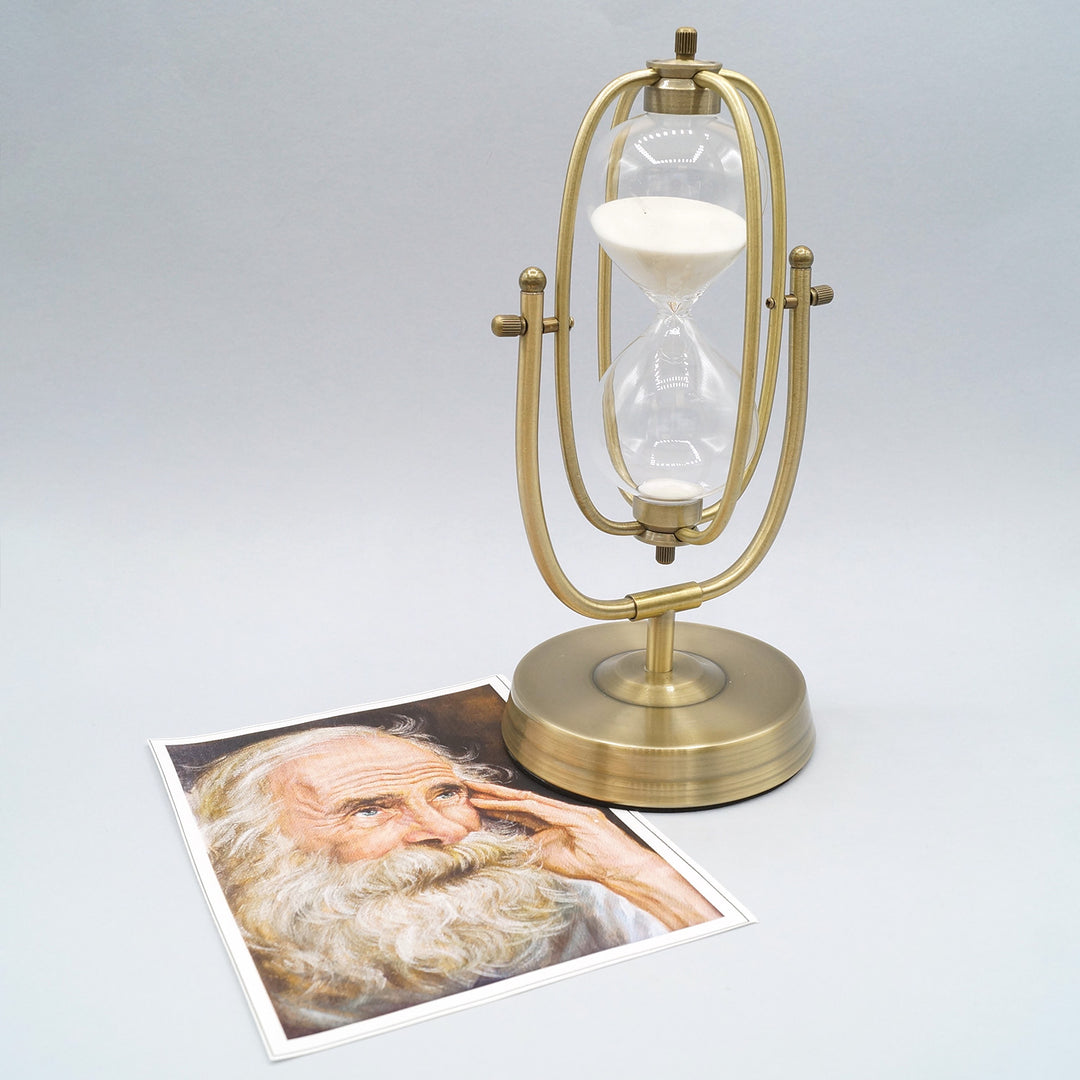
750, 735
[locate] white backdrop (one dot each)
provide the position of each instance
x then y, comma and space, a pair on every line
257, 461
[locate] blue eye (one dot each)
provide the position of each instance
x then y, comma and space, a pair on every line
367, 812
451, 793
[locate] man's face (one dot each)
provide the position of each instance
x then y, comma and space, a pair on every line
362, 798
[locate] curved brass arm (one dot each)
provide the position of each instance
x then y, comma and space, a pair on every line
563, 257
778, 265
721, 512
603, 262
794, 426
530, 495
603, 295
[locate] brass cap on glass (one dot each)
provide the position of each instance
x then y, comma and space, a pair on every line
676, 93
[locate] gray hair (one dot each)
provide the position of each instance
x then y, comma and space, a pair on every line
232, 799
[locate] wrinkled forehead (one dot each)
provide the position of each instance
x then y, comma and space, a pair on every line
360, 765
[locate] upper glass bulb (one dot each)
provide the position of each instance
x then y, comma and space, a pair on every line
664, 195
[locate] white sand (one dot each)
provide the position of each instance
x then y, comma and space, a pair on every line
664, 489
670, 247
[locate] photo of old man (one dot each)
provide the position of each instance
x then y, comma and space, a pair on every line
369, 869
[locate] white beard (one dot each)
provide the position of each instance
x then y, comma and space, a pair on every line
359, 939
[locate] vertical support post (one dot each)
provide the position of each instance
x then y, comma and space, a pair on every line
660, 643
801, 259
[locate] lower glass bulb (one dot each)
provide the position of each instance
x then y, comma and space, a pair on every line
668, 406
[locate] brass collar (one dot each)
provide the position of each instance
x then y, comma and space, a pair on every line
675, 92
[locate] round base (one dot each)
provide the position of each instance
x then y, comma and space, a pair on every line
751, 735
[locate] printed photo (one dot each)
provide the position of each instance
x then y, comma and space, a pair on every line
376, 867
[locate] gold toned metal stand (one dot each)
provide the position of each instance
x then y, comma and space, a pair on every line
666, 715
752, 732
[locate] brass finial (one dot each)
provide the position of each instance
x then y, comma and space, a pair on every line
532, 280
685, 43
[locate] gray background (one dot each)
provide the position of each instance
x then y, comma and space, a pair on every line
257, 462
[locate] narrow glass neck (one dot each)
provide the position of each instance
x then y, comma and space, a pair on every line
679, 306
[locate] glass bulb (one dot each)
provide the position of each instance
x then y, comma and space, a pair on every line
665, 196
668, 406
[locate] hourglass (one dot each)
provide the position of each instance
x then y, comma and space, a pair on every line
687, 715
665, 198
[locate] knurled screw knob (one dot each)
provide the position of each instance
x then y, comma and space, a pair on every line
508, 326
821, 294
685, 43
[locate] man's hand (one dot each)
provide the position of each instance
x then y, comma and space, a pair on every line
575, 841
580, 842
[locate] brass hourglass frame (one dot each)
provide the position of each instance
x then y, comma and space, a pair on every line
602, 727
